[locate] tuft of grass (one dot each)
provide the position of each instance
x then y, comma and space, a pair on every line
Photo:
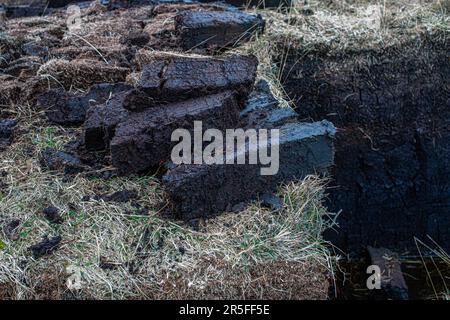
337, 28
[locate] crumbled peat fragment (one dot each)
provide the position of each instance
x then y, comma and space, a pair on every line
393, 285
70, 109
61, 161
106, 264
121, 196
6, 132
143, 140
137, 38
101, 122
205, 29
205, 190
271, 201
45, 247
51, 213
174, 78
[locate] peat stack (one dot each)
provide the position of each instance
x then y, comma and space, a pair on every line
172, 92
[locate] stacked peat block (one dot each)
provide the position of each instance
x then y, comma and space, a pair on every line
130, 125
208, 189
202, 27
172, 92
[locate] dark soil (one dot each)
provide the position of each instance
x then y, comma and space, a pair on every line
420, 280
391, 107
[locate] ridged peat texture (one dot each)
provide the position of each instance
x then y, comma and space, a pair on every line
173, 78
392, 110
172, 92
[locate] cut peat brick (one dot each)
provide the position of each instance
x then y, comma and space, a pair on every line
205, 190
393, 284
70, 109
203, 29
173, 78
101, 122
143, 140
45, 247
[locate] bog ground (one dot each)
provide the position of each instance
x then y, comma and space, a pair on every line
359, 89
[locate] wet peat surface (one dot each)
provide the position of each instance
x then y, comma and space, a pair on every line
391, 179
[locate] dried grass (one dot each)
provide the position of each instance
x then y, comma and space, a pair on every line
82, 73
341, 29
